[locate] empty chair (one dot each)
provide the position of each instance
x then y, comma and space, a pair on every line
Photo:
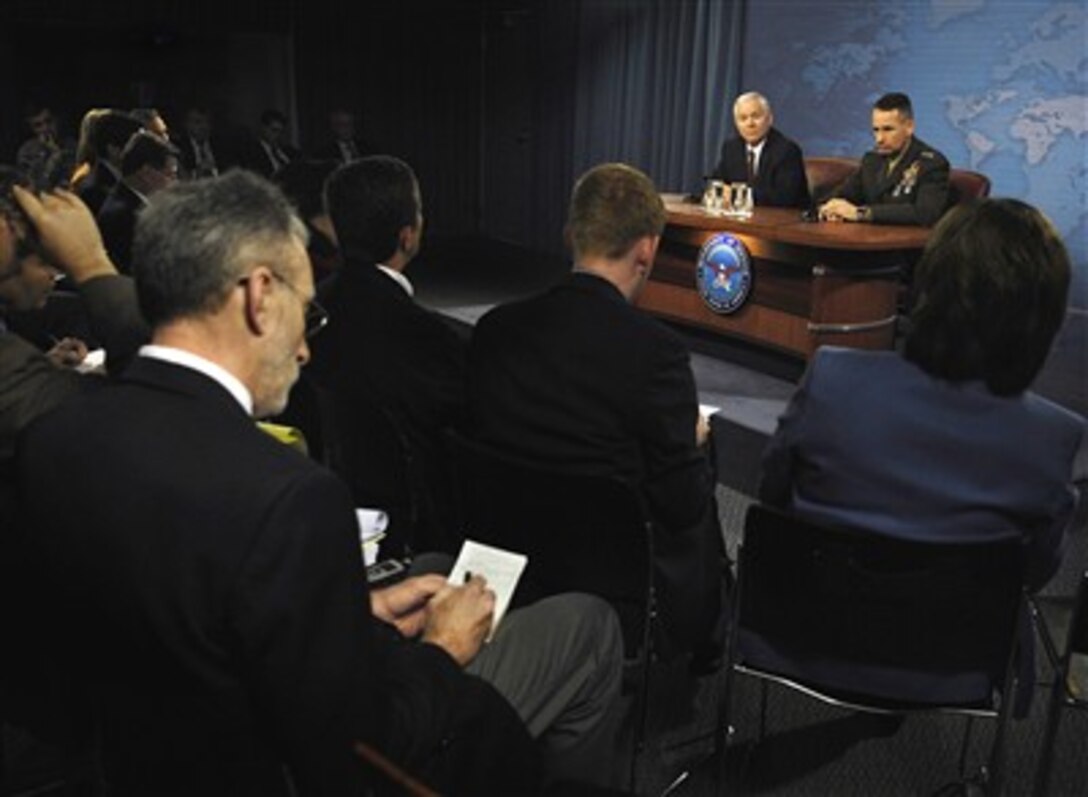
877, 624
968, 185
824, 175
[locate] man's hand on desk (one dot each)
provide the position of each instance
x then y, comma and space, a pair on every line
840, 210
459, 619
405, 604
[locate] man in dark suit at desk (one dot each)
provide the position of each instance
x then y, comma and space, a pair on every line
902, 181
203, 585
762, 157
579, 378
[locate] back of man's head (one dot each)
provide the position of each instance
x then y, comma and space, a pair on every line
895, 101
112, 129
196, 240
370, 201
612, 207
146, 149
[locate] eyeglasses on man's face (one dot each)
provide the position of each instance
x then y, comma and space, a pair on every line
316, 316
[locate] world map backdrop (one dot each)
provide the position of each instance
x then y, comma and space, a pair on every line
1000, 87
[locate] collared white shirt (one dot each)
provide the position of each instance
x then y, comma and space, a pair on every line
187, 359
143, 199
399, 278
348, 152
276, 156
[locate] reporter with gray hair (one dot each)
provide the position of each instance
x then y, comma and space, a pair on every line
210, 582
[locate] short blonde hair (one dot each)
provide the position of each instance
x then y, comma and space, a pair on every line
612, 207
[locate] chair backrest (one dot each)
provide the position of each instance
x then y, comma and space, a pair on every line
968, 185
826, 174
365, 446
854, 611
1078, 628
580, 533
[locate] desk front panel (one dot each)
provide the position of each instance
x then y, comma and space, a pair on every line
813, 284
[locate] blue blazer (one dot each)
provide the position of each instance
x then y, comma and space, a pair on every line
871, 441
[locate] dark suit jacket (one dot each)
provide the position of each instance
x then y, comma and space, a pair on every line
215, 603
915, 192
96, 186
382, 348
780, 178
578, 378
331, 151
187, 156
252, 156
117, 223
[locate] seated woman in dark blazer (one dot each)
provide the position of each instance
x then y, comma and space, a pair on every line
945, 441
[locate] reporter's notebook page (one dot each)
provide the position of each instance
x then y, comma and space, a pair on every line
502, 569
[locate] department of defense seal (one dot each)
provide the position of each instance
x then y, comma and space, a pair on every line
723, 273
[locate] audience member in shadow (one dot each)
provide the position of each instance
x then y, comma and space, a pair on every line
201, 154
40, 236
152, 121
383, 352
148, 164
578, 378
946, 441
343, 145
44, 147
202, 586
268, 151
102, 139
303, 181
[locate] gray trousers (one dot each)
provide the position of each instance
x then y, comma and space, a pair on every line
559, 663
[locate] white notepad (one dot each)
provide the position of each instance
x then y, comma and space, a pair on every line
502, 569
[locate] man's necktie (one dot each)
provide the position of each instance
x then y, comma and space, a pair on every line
751, 165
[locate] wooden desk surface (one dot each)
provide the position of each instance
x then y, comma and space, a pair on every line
784, 225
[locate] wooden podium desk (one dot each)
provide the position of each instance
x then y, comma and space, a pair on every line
813, 283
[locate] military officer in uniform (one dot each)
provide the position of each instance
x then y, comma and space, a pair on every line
902, 181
